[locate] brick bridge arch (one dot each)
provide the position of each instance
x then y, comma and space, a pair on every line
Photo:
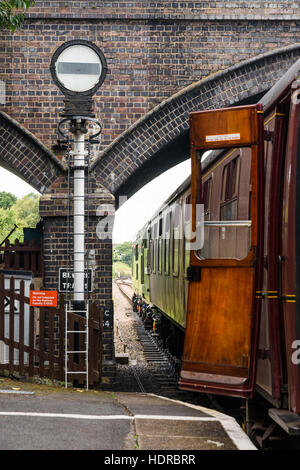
24, 155
160, 139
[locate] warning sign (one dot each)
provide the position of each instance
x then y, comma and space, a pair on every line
43, 298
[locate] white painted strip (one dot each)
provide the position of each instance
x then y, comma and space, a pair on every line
175, 418
106, 417
18, 392
65, 415
222, 137
234, 431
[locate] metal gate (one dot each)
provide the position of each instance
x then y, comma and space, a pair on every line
32, 340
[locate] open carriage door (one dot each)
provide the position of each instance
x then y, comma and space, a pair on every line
223, 310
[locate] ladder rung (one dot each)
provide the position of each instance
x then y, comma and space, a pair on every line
76, 352
76, 372
74, 311
76, 331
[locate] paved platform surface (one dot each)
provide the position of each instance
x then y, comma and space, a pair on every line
165, 424
79, 420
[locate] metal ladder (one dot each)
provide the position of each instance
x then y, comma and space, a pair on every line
85, 351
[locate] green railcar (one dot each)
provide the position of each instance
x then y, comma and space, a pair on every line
160, 261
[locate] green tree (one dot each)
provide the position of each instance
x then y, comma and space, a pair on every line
7, 200
10, 15
7, 223
123, 252
26, 210
24, 213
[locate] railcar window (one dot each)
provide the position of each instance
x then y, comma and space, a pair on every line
142, 264
159, 247
166, 240
176, 236
150, 254
207, 195
159, 243
187, 230
160, 225
154, 245
227, 221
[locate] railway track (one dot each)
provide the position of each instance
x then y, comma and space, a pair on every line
161, 376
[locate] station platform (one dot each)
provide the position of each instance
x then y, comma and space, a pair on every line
47, 418
165, 424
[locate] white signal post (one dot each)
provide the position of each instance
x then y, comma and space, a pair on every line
79, 155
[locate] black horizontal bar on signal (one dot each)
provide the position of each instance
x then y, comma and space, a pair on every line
79, 68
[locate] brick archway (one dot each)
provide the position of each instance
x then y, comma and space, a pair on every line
160, 139
24, 155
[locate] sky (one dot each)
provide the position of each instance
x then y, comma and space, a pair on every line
135, 212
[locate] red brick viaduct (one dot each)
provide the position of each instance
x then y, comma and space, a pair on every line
165, 59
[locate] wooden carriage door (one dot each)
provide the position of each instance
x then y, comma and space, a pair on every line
223, 308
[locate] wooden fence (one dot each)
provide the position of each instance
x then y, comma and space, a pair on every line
27, 256
32, 340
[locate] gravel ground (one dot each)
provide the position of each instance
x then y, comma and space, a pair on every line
153, 377
126, 338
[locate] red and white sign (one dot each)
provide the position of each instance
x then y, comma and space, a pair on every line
43, 298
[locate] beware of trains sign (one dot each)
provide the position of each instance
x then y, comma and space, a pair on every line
66, 280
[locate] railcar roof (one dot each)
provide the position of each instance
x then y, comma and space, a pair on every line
268, 101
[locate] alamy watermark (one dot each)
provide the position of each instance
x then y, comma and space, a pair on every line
2, 92
177, 215
296, 353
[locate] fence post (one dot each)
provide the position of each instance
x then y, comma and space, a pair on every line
31, 338
61, 313
11, 324
21, 329
2, 298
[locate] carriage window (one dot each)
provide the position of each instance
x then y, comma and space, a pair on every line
166, 241
206, 195
187, 230
159, 247
153, 247
176, 235
142, 264
227, 225
159, 243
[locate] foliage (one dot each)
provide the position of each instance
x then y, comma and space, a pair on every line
121, 269
26, 210
7, 200
10, 15
24, 213
123, 252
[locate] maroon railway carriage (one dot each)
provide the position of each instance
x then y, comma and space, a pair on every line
243, 316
